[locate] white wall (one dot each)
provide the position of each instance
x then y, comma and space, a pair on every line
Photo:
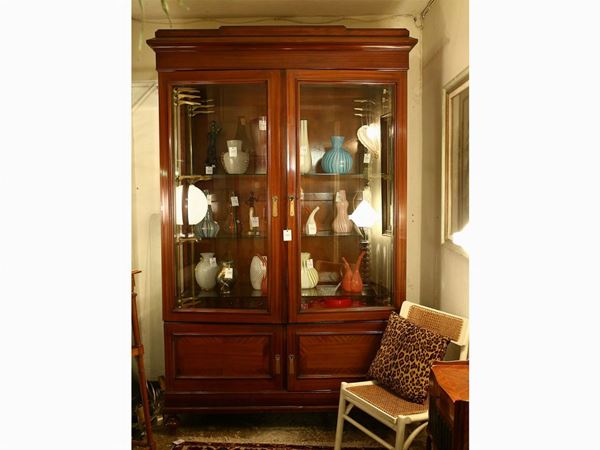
145, 177
145, 222
444, 271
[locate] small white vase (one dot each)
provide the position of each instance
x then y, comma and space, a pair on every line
258, 271
206, 275
309, 277
237, 164
305, 154
311, 225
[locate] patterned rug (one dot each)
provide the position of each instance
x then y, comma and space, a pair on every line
232, 446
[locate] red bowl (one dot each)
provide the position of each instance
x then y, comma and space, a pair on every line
338, 302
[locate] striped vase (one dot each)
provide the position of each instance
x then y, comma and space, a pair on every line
309, 277
337, 160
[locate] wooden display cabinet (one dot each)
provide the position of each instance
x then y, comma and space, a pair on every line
283, 346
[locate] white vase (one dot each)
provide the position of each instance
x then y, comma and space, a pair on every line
311, 225
206, 274
305, 156
235, 164
309, 277
258, 271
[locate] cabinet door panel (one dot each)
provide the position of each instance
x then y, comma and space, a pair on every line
320, 357
229, 357
220, 176
347, 181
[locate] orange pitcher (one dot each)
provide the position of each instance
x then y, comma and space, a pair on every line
351, 280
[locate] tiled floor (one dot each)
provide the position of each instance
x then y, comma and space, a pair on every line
293, 428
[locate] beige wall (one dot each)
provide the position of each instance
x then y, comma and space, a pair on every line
145, 222
444, 271
145, 178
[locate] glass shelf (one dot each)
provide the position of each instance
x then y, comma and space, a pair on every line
229, 302
321, 234
218, 176
241, 297
335, 290
225, 237
357, 176
329, 296
335, 175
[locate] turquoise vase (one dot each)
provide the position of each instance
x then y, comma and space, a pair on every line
337, 160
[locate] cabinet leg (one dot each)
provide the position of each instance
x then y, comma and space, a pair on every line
171, 423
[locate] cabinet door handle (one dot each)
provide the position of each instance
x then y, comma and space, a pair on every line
274, 210
291, 364
277, 364
292, 205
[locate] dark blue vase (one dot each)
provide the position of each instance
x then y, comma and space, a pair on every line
337, 160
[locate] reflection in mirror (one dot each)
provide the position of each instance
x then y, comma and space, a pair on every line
456, 159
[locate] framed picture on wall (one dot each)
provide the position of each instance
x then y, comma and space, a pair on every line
455, 159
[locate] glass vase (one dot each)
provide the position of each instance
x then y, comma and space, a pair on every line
337, 160
208, 227
227, 277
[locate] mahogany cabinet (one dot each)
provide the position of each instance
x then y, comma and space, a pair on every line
283, 192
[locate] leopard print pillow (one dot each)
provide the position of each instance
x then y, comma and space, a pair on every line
383, 366
404, 359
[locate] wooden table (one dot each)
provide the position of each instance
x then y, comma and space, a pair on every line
448, 427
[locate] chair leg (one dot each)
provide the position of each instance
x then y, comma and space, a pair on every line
400, 428
339, 430
414, 434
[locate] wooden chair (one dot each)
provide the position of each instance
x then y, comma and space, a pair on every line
384, 405
137, 351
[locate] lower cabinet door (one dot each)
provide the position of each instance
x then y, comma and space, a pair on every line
321, 356
223, 358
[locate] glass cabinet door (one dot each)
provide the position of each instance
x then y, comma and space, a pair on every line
345, 186
221, 197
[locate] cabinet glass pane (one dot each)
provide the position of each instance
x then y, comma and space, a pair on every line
345, 159
219, 144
